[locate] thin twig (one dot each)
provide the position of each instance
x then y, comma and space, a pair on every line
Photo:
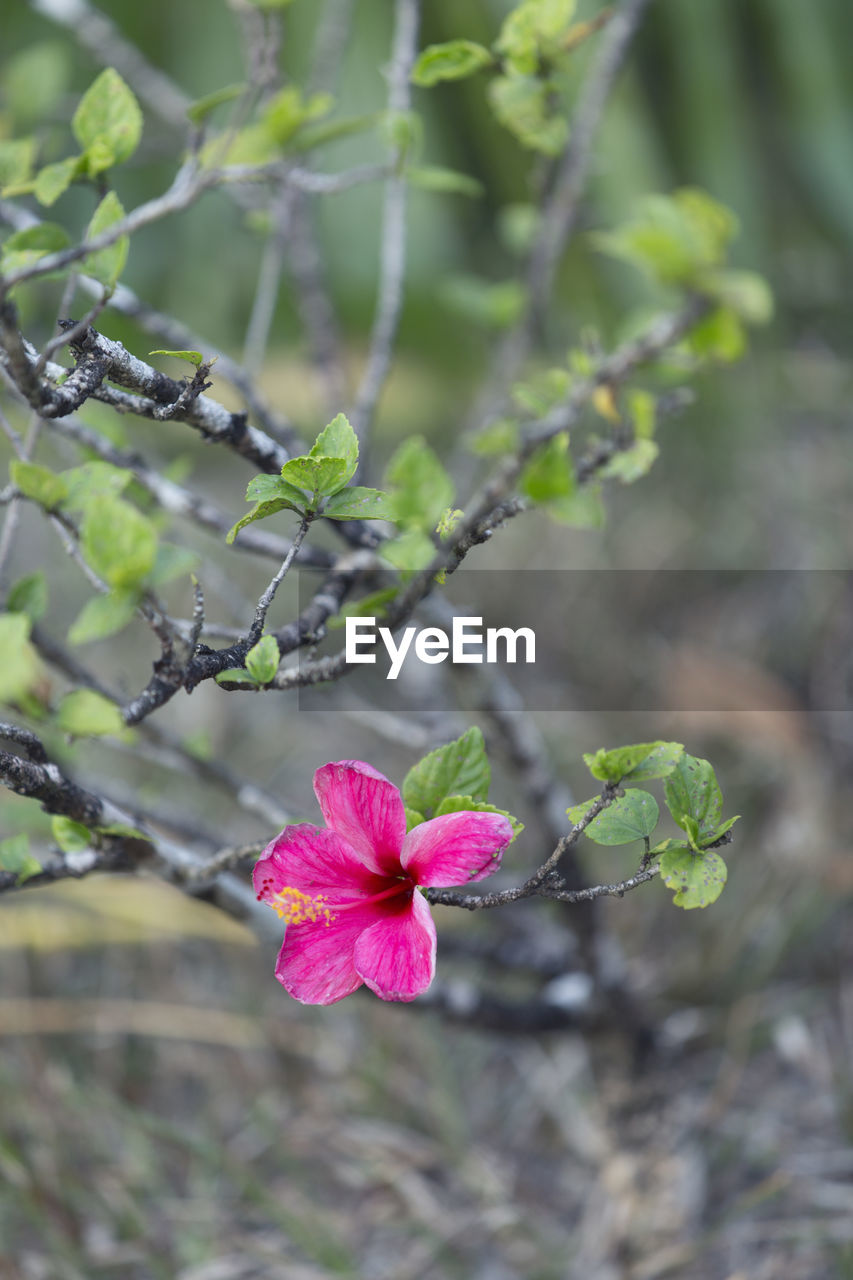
257, 628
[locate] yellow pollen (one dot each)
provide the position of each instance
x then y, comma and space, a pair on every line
296, 907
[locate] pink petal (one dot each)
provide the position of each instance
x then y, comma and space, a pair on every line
396, 956
366, 810
456, 848
313, 860
315, 964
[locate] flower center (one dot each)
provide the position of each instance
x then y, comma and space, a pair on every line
295, 907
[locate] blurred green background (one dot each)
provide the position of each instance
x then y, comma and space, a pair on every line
166, 1110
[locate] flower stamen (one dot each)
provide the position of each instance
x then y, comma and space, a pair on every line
296, 907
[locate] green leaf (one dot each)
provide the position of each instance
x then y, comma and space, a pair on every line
533, 31
24, 248
265, 488
260, 512
72, 837
713, 836
235, 675
198, 111
459, 768
498, 437
674, 239
549, 474
453, 60
583, 509
119, 542
448, 521
637, 763
628, 465
467, 804
642, 410
317, 135
371, 605
15, 856
409, 551
698, 879
29, 596
86, 714
108, 118
287, 111
693, 796
103, 616
357, 503
263, 659
633, 816
421, 488
122, 829
413, 819
337, 440
107, 264
746, 293
54, 180
19, 667
39, 484
192, 357
443, 181
718, 336
93, 481
172, 562
522, 104
319, 476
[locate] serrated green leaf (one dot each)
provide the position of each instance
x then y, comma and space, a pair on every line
19, 667
549, 474
119, 542
72, 837
266, 488
103, 616
318, 476
93, 481
262, 660
106, 265
54, 180
467, 804
86, 714
633, 816
697, 878
357, 503
192, 357
29, 595
24, 248
637, 763
39, 484
235, 675
108, 115
693, 796
337, 440
198, 111
260, 512
420, 487
534, 31
459, 768
443, 181
628, 465
16, 858
453, 60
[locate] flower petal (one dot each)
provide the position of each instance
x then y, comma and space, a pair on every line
456, 848
316, 965
313, 860
396, 956
366, 810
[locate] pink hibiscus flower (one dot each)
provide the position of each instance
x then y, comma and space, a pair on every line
348, 891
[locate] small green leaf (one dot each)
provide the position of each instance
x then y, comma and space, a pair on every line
72, 837
338, 440
636, 763
199, 110
628, 465
235, 675
409, 551
54, 180
122, 829
19, 667
24, 248
357, 503
746, 293
263, 659
533, 30
371, 606
192, 357
39, 484
15, 857
497, 438
698, 879
29, 596
260, 512
266, 488
459, 768
119, 542
413, 819
449, 520
443, 181
674, 239
103, 616
287, 111
467, 804
693, 796
522, 104
17, 156
108, 115
549, 474
86, 714
320, 476
453, 60
718, 336
711, 837
421, 487
107, 264
633, 816
93, 481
